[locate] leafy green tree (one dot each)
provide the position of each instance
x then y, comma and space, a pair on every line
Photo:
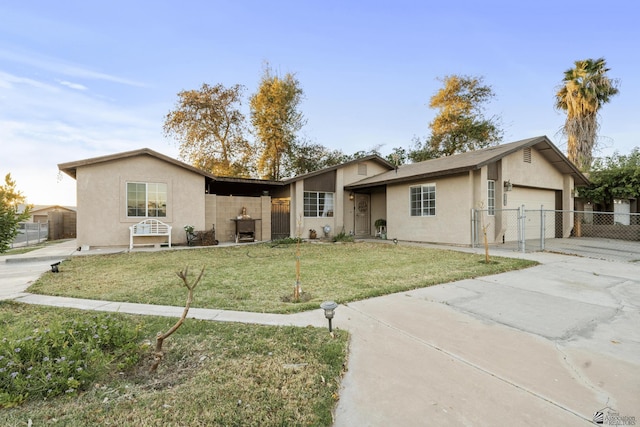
212, 130
614, 177
398, 156
305, 157
585, 89
276, 120
10, 198
421, 151
460, 124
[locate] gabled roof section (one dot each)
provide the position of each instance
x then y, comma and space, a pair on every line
473, 160
38, 208
373, 157
70, 168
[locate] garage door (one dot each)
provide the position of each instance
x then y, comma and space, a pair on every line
532, 199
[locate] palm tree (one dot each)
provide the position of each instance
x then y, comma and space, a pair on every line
585, 89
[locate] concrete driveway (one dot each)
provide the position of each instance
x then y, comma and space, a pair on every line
550, 345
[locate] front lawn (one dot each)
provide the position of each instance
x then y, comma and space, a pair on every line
261, 277
66, 367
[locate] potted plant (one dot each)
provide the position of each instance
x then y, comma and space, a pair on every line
381, 228
191, 235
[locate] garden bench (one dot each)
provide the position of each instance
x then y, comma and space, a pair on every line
149, 228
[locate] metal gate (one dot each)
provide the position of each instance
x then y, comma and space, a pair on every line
280, 219
507, 224
541, 229
520, 229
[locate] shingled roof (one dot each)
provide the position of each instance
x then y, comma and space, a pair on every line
70, 168
472, 160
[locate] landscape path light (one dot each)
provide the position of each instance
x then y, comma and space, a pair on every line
329, 310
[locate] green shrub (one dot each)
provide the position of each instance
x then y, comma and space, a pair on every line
343, 237
286, 241
64, 357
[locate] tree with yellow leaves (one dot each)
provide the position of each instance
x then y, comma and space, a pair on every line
212, 130
276, 120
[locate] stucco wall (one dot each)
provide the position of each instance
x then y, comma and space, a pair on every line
378, 209
343, 207
539, 173
451, 224
102, 204
535, 184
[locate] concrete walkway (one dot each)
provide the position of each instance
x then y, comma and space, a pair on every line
549, 345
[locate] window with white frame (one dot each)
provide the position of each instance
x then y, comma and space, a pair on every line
318, 204
491, 197
423, 200
146, 199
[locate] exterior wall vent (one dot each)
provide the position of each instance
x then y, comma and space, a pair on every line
527, 155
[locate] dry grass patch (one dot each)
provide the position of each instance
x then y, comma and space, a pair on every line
213, 374
259, 277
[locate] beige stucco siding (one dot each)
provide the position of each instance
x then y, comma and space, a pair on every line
342, 220
451, 223
378, 209
538, 174
534, 185
102, 199
354, 172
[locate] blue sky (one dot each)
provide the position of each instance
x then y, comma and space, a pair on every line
80, 79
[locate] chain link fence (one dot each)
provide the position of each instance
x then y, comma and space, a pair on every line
30, 233
589, 232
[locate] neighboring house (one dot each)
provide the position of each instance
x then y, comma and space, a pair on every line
60, 220
429, 201
40, 213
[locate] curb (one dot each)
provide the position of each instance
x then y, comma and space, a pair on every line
38, 258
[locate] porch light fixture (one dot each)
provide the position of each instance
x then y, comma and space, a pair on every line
352, 196
508, 186
329, 310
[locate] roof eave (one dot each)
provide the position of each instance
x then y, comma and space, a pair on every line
373, 157
411, 178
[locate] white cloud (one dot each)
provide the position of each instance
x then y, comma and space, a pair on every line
76, 86
54, 65
42, 125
